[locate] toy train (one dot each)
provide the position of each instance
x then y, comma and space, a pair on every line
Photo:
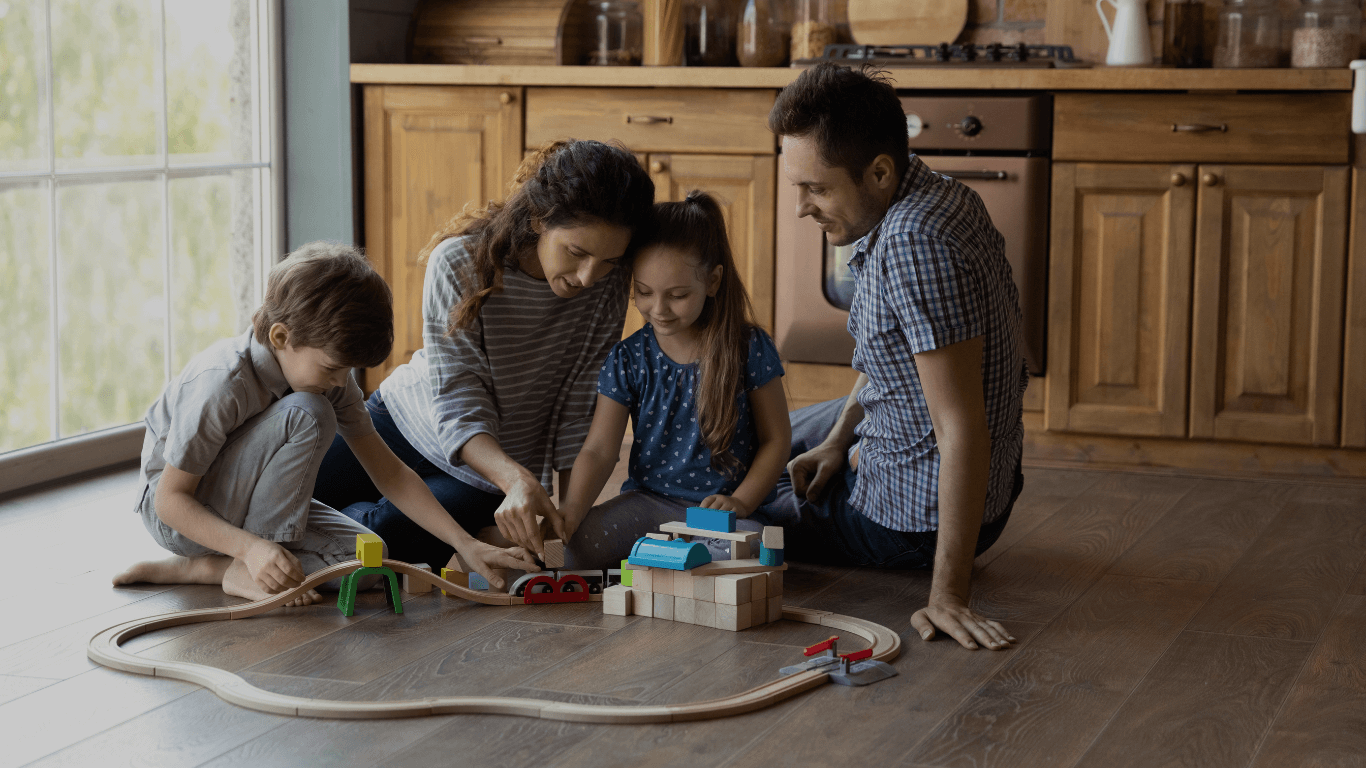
596, 581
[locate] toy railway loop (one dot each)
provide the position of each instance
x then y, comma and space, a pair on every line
104, 648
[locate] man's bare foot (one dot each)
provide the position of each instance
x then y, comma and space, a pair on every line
176, 570
237, 581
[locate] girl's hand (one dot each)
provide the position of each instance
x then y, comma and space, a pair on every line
516, 516
489, 561
727, 504
570, 519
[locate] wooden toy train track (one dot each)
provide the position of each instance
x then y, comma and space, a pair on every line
104, 648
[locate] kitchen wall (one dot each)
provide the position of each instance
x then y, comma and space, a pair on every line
379, 30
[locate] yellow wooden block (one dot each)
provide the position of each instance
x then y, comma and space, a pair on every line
369, 550
455, 577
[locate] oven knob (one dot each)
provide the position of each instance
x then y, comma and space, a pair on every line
970, 126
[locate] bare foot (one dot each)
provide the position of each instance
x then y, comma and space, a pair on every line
237, 581
176, 570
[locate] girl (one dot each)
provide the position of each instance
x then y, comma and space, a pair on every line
521, 303
701, 384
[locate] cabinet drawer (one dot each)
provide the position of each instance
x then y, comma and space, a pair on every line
654, 119
1283, 128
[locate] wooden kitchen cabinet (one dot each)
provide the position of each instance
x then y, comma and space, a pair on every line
1270, 251
1119, 298
429, 150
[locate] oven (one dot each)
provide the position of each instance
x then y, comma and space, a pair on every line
996, 145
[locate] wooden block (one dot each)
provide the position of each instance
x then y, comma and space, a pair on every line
775, 583
455, 577
775, 608
616, 601
733, 589
664, 606
758, 612
685, 610
662, 581
711, 519
704, 613
626, 576
732, 617
718, 567
758, 586
414, 587
554, 553
642, 579
682, 584
460, 565
680, 530
773, 537
642, 602
370, 550
704, 588
739, 550
660, 536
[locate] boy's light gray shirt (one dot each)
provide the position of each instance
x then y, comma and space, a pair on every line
218, 390
525, 372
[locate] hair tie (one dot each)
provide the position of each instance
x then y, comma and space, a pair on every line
695, 196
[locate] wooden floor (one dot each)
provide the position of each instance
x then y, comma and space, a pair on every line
1163, 621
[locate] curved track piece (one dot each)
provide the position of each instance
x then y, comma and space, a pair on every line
104, 649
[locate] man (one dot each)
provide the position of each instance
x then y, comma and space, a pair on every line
920, 465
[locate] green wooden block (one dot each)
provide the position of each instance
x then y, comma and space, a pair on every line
625, 575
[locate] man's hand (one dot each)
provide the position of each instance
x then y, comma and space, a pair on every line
487, 560
811, 471
962, 624
272, 567
516, 516
727, 504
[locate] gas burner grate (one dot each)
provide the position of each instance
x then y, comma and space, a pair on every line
967, 54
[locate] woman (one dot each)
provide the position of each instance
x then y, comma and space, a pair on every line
521, 303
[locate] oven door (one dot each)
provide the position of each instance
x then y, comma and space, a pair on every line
812, 284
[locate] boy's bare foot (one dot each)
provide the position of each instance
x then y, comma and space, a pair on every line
208, 569
237, 581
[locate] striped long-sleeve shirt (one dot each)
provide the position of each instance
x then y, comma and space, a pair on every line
525, 372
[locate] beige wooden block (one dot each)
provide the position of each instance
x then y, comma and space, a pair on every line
758, 586
616, 601
643, 579
739, 550
685, 610
682, 584
664, 606
758, 612
732, 617
773, 537
733, 589
554, 553
660, 536
662, 581
642, 602
414, 587
704, 588
775, 607
775, 583
704, 613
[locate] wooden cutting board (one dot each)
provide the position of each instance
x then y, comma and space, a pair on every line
907, 22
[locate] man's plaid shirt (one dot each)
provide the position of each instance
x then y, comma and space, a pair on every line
932, 273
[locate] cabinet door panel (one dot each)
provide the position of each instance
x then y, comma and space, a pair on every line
1119, 297
429, 151
1269, 262
1354, 341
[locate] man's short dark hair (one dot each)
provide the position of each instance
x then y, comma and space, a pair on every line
854, 116
330, 298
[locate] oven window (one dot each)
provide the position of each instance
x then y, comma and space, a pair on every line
838, 280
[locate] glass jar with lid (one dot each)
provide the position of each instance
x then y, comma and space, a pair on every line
618, 29
709, 33
765, 27
815, 26
1249, 34
1327, 33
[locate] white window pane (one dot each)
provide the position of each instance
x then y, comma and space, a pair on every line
111, 317
26, 346
23, 86
208, 81
106, 95
213, 260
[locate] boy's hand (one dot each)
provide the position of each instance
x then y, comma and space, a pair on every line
516, 516
727, 504
488, 561
272, 567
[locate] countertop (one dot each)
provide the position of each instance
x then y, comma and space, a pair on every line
912, 78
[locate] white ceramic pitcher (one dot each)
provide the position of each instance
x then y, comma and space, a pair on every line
1129, 46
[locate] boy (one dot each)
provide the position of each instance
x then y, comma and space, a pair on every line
234, 442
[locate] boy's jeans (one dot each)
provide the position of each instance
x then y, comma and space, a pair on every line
262, 482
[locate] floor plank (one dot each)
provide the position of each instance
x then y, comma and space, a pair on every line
1324, 720
13, 687
1287, 583
1045, 492
1203, 537
305, 743
490, 741
1206, 702
1053, 695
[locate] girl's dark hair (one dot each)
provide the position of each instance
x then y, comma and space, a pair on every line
854, 116
697, 226
563, 184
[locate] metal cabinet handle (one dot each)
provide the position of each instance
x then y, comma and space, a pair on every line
1210, 179
1199, 128
648, 119
483, 41
977, 175
1178, 179
657, 167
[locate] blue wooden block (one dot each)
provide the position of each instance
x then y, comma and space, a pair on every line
768, 556
675, 555
711, 519
478, 582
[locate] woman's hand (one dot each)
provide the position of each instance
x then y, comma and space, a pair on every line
490, 561
516, 516
727, 504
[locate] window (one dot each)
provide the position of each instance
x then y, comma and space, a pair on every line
137, 200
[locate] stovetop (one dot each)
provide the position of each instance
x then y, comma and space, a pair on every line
952, 55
